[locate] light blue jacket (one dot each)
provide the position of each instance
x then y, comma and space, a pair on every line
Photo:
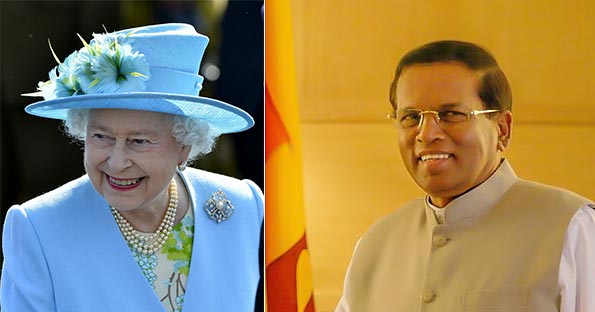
63, 251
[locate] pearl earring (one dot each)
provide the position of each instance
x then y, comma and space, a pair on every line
182, 166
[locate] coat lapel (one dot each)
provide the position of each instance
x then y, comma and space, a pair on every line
222, 275
120, 272
194, 293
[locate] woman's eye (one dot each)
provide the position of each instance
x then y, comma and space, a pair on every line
139, 141
100, 137
140, 144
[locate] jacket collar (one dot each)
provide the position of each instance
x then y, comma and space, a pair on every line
479, 199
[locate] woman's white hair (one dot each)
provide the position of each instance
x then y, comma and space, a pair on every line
187, 131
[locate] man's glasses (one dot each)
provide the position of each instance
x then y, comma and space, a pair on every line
408, 118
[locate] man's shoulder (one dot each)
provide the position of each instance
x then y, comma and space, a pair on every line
553, 195
390, 231
412, 209
408, 214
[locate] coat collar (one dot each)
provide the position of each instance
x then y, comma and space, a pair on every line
479, 199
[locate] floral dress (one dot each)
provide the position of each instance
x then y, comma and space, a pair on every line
167, 270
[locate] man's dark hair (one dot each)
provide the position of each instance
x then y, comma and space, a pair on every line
494, 89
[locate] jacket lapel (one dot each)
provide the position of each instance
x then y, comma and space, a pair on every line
194, 290
220, 278
120, 272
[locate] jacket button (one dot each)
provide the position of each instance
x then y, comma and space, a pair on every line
439, 240
427, 295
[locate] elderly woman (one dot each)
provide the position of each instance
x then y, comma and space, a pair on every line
139, 231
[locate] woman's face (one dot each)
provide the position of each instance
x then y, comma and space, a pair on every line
131, 157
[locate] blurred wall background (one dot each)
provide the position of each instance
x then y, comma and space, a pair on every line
346, 54
37, 157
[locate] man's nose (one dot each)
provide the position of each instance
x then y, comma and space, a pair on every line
429, 128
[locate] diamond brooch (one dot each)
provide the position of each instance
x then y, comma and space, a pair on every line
218, 207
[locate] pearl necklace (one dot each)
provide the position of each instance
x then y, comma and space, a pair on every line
149, 244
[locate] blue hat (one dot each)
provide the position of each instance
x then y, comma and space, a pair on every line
151, 68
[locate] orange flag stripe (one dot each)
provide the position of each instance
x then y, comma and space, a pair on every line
288, 273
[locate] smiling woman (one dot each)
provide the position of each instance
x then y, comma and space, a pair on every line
130, 225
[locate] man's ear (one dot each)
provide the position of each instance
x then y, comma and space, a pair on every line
504, 129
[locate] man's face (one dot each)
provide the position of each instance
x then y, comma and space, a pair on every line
448, 159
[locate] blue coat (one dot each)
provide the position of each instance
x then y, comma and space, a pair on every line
63, 251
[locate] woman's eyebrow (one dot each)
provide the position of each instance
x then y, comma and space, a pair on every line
142, 131
97, 126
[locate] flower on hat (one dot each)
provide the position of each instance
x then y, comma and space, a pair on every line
62, 81
109, 64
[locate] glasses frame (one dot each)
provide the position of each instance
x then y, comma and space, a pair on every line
393, 116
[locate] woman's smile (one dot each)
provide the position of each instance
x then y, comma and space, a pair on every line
123, 184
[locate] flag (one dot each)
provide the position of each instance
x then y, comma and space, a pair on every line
288, 272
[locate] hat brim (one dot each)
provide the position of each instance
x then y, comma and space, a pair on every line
222, 117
